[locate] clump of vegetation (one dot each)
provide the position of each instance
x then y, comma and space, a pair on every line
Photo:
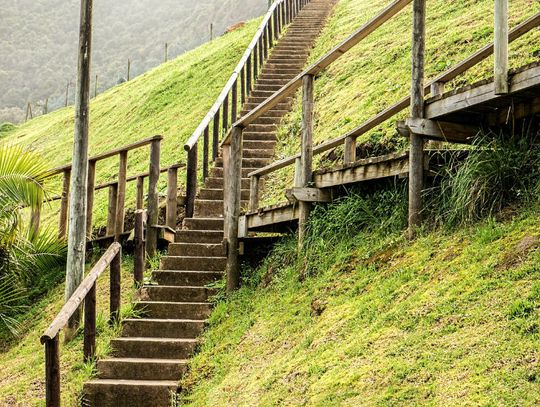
25, 252
6, 128
500, 170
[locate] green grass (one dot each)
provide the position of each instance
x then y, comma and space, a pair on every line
376, 73
22, 359
170, 100
450, 320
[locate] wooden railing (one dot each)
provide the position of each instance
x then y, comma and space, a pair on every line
85, 293
232, 143
235, 93
117, 192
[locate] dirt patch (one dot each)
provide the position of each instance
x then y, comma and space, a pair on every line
519, 253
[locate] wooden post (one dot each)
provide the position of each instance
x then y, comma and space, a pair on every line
90, 324
140, 193
206, 148
211, 31
271, 31
139, 260
52, 373
79, 175
254, 193
501, 47
261, 53
307, 153
172, 196
166, 52
90, 198
115, 287
249, 73
298, 173
264, 44
233, 180
153, 199
436, 89
255, 62
95, 86
64, 204
215, 137
349, 153
416, 153
226, 114
111, 212
121, 196
234, 102
191, 181
46, 106
243, 86
226, 156
129, 70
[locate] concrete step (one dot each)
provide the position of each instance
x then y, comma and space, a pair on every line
259, 144
172, 310
162, 328
258, 100
217, 194
246, 162
141, 369
177, 294
186, 278
203, 223
159, 348
257, 153
273, 69
218, 172
259, 128
199, 236
128, 393
193, 263
259, 135
217, 182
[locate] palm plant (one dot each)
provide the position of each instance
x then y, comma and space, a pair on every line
24, 252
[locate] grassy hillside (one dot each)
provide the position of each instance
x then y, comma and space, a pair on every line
170, 100
365, 318
376, 73
22, 359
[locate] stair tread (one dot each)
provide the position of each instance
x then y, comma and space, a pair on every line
154, 339
164, 320
145, 360
126, 382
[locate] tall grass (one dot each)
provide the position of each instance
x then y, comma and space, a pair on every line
501, 169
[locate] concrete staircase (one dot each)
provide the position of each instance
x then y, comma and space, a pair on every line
151, 355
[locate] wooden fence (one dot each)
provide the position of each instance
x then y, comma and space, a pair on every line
85, 293
225, 110
232, 143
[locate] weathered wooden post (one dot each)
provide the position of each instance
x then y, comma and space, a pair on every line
349, 153
233, 185
501, 47
416, 152
172, 196
153, 199
234, 102
139, 260
436, 89
64, 204
67, 92
79, 174
215, 136
46, 106
166, 52
89, 345
211, 31
254, 193
95, 86
225, 114
140, 193
111, 210
206, 152
121, 196
129, 70
52, 372
307, 153
115, 287
249, 73
90, 197
191, 180
243, 86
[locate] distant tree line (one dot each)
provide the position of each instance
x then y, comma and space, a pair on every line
38, 43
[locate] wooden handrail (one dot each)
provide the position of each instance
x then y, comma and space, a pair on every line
128, 179
402, 104
322, 63
79, 295
110, 153
233, 78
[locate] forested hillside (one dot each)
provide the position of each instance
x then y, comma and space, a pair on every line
38, 42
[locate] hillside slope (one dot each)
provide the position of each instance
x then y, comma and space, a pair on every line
169, 100
376, 73
368, 319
